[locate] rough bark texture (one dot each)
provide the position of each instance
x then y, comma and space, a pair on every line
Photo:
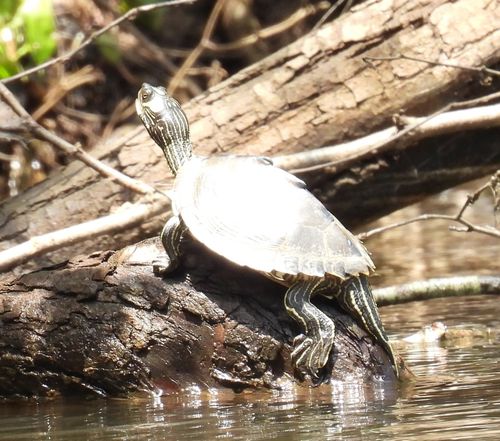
103, 324
317, 91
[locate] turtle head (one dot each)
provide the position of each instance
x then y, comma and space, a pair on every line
166, 123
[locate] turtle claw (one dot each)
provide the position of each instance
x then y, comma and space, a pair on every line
309, 357
163, 265
311, 353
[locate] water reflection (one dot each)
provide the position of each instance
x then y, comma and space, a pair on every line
428, 249
457, 395
288, 415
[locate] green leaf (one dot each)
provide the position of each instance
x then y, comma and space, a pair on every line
8, 68
37, 17
7, 10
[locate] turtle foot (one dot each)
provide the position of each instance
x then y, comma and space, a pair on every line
163, 265
310, 355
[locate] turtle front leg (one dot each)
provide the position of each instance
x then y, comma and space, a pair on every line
171, 237
311, 349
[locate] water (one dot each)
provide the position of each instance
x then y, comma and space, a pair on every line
456, 396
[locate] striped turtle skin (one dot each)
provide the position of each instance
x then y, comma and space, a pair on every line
261, 217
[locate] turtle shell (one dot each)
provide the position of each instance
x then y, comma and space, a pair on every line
262, 217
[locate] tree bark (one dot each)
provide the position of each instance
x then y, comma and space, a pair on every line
317, 91
105, 325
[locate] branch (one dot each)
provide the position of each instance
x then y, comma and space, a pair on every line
198, 50
124, 218
469, 226
437, 288
490, 231
205, 42
29, 124
384, 140
268, 32
331, 10
64, 86
154, 203
341, 156
130, 15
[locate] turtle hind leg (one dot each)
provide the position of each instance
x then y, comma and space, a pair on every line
356, 297
311, 350
171, 237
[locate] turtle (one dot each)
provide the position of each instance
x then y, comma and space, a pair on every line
259, 216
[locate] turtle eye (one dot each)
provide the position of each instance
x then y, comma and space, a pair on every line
146, 94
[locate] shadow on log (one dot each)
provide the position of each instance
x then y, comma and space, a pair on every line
105, 325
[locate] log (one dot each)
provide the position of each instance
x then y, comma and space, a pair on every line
104, 325
317, 91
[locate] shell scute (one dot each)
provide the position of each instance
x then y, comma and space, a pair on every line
260, 216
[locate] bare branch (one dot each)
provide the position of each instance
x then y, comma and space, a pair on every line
130, 15
198, 50
30, 125
122, 219
388, 136
206, 44
342, 156
268, 32
66, 84
437, 288
469, 226
154, 203
488, 230
331, 10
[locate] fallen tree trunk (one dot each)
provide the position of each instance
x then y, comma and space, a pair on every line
315, 92
104, 325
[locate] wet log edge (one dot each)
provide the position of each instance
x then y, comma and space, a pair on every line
104, 325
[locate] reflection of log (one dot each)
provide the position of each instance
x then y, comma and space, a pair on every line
315, 92
105, 325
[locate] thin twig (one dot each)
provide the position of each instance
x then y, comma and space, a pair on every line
437, 288
129, 15
105, 170
198, 50
488, 230
331, 10
481, 69
267, 32
64, 85
205, 42
469, 226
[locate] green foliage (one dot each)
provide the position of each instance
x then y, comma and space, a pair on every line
7, 11
26, 30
